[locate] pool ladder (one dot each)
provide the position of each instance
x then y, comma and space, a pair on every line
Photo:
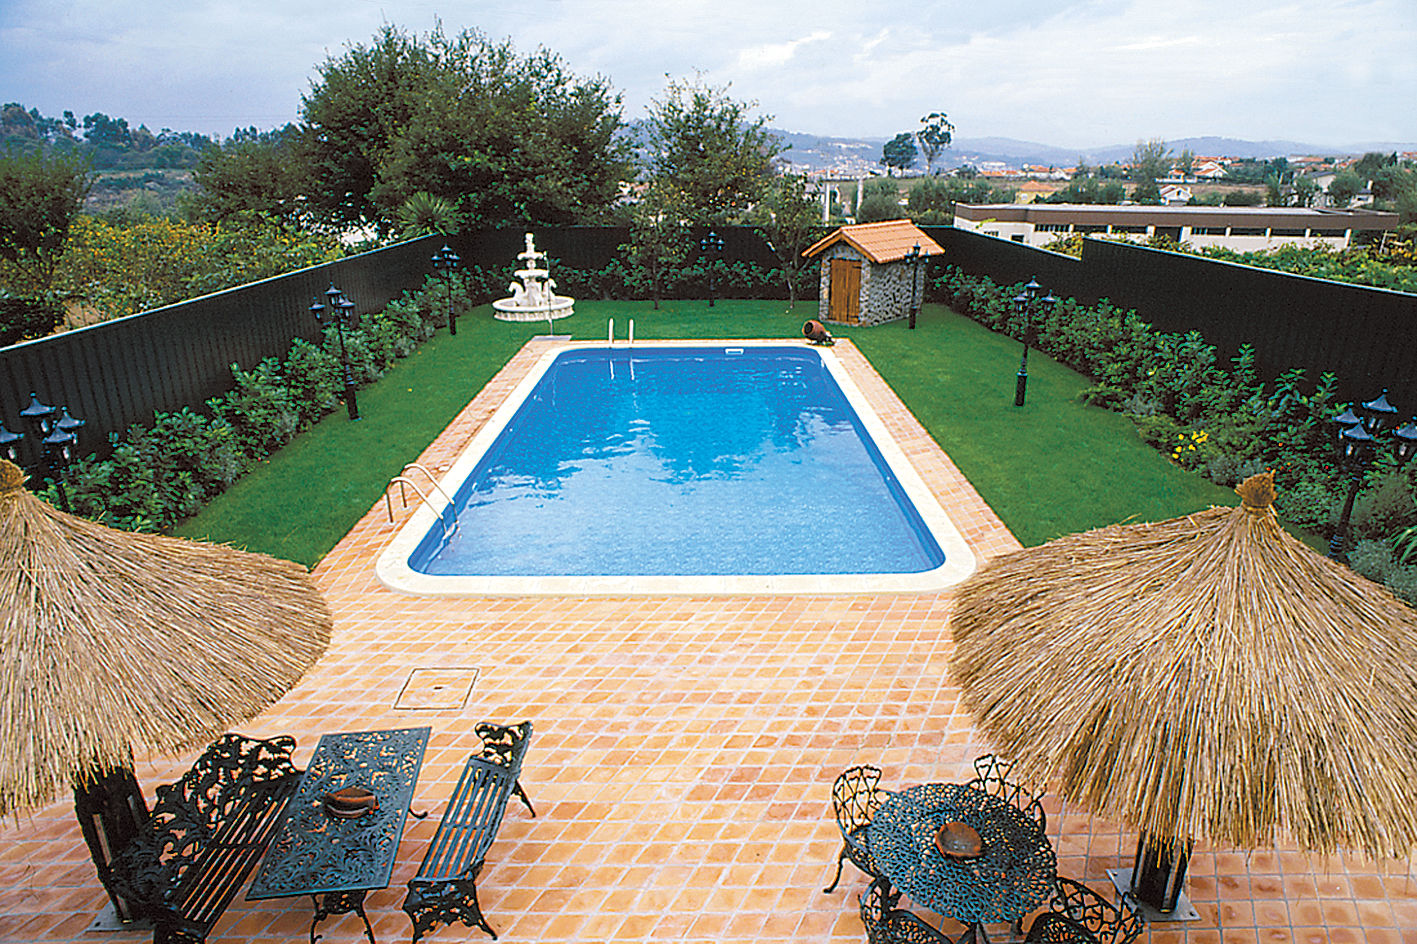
449, 522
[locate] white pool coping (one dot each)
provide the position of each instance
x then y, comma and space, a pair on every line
394, 572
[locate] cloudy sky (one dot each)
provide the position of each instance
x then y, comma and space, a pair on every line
1072, 73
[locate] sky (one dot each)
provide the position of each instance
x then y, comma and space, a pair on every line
1070, 73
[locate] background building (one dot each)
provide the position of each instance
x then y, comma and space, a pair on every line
1243, 229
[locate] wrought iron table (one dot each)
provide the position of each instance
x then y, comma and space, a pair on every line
1013, 874
338, 861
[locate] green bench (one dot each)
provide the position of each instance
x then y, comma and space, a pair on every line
445, 888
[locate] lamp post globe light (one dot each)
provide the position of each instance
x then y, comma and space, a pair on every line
1360, 434
445, 261
1026, 305
711, 244
338, 308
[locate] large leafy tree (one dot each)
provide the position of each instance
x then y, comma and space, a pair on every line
705, 147
899, 152
507, 139
934, 136
40, 195
265, 173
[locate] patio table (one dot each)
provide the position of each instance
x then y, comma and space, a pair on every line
338, 861
1014, 873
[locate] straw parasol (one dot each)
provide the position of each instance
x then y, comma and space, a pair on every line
115, 643
1207, 677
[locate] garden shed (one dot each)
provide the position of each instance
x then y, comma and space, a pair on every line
869, 271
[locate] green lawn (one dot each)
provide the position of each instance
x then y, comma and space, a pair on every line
1049, 468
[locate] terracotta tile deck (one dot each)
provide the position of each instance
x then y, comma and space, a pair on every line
683, 757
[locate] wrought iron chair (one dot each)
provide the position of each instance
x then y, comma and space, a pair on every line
1078, 915
887, 924
991, 775
855, 799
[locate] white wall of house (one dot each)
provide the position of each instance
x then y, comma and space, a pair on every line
1239, 239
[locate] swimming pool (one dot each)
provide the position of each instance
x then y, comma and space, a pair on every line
735, 468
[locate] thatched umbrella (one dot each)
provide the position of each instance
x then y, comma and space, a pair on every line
114, 643
1207, 677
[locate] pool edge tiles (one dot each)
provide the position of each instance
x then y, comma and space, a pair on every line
393, 565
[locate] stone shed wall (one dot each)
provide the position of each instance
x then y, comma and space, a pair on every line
885, 289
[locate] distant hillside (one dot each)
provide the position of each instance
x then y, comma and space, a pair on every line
820, 152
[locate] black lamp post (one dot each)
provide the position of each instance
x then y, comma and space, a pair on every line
445, 260
914, 257
1358, 442
57, 439
338, 308
712, 243
1026, 304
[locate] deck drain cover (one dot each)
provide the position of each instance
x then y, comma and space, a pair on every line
435, 689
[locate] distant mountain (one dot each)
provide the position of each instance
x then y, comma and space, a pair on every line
862, 155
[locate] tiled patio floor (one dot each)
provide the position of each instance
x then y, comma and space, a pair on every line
682, 761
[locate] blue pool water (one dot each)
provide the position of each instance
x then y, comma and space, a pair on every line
680, 461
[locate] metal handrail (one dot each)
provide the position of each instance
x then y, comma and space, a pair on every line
431, 481
448, 529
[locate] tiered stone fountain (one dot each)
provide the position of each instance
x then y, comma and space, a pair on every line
534, 296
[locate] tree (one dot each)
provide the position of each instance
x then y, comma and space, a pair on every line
1151, 160
934, 136
507, 139
1344, 187
265, 173
880, 200
1305, 190
659, 240
40, 195
899, 152
1370, 163
702, 145
790, 221
1186, 163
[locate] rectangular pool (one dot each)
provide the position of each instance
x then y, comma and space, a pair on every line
735, 468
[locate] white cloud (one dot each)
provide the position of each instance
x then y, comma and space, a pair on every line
776, 55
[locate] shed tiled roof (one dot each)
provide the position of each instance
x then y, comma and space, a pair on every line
880, 242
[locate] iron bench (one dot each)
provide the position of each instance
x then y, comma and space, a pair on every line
445, 889
206, 832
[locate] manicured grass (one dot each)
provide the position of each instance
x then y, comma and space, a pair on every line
1051, 467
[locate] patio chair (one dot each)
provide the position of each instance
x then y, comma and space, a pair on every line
855, 799
991, 773
887, 924
1078, 915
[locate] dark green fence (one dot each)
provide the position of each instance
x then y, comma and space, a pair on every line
1367, 336
118, 373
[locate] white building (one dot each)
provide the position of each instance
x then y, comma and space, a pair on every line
1243, 229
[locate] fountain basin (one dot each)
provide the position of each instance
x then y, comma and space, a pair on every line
506, 309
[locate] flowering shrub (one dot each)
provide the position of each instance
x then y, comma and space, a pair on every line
122, 268
1221, 421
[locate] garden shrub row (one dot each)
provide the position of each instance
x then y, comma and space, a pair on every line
1221, 420
618, 281
158, 475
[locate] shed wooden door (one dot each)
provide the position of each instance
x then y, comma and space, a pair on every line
845, 298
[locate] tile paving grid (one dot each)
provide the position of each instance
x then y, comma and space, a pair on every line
684, 753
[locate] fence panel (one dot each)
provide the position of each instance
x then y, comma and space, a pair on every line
1364, 335
118, 373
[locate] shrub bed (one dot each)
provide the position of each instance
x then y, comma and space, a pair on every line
1220, 420
161, 473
